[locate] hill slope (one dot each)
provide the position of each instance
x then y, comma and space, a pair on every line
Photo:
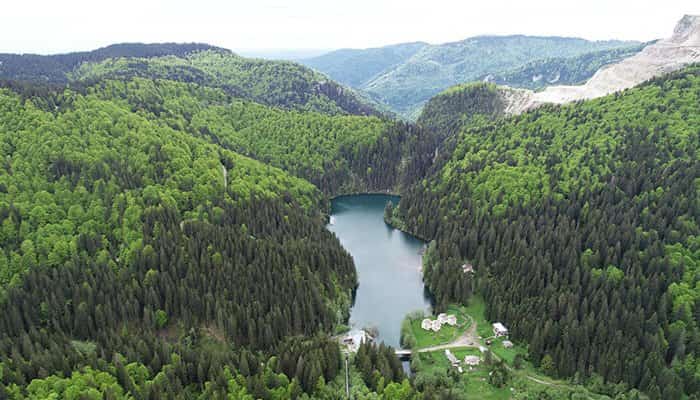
131, 243
54, 68
275, 83
582, 224
354, 67
432, 68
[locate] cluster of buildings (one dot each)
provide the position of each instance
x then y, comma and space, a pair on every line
436, 324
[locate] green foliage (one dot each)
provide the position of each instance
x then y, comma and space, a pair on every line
117, 221
579, 218
463, 105
378, 365
338, 154
416, 72
273, 83
87, 384
161, 319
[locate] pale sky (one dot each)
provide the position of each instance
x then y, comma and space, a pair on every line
54, 26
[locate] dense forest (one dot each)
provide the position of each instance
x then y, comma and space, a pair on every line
145, 254
115, 225
55, 68
581, 222
463, 105
337, 153
275, 83
162, 212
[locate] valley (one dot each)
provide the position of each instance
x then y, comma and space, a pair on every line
178, 221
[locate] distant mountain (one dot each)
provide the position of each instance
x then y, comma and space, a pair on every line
561, 70
274, 83
406, 76
53, 68
282, 54
355, 67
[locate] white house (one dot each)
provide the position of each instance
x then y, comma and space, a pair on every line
499, 329
468, 268
355, 338
426, 324
435, 325
482, 349
472, 361
507, 344
442, 317
451, 320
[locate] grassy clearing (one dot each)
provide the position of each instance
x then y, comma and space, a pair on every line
446, 334
474, 381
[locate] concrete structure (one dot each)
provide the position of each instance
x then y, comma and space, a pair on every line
472, 361
499, 329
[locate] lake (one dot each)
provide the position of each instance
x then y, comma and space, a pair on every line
388, 265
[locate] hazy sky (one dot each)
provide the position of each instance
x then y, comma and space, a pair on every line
51, 26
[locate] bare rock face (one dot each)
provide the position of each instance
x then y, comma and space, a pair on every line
665, 56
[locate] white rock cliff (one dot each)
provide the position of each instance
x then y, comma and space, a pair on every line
662, 57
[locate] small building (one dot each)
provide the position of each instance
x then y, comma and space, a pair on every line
451, 320
468, 268
453, 360
507, 344
482, 349
442, 317
499, 329
459, 369
435, 325
426, 324
355, 338
472, 361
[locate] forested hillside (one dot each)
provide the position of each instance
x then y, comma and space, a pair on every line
129, 243
582, 225
337, 153
275, 83
561, 70
54, 68
463, 105
354, 67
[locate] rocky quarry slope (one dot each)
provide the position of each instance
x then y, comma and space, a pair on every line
662, 57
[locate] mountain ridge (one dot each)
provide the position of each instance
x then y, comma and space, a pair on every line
407, 84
